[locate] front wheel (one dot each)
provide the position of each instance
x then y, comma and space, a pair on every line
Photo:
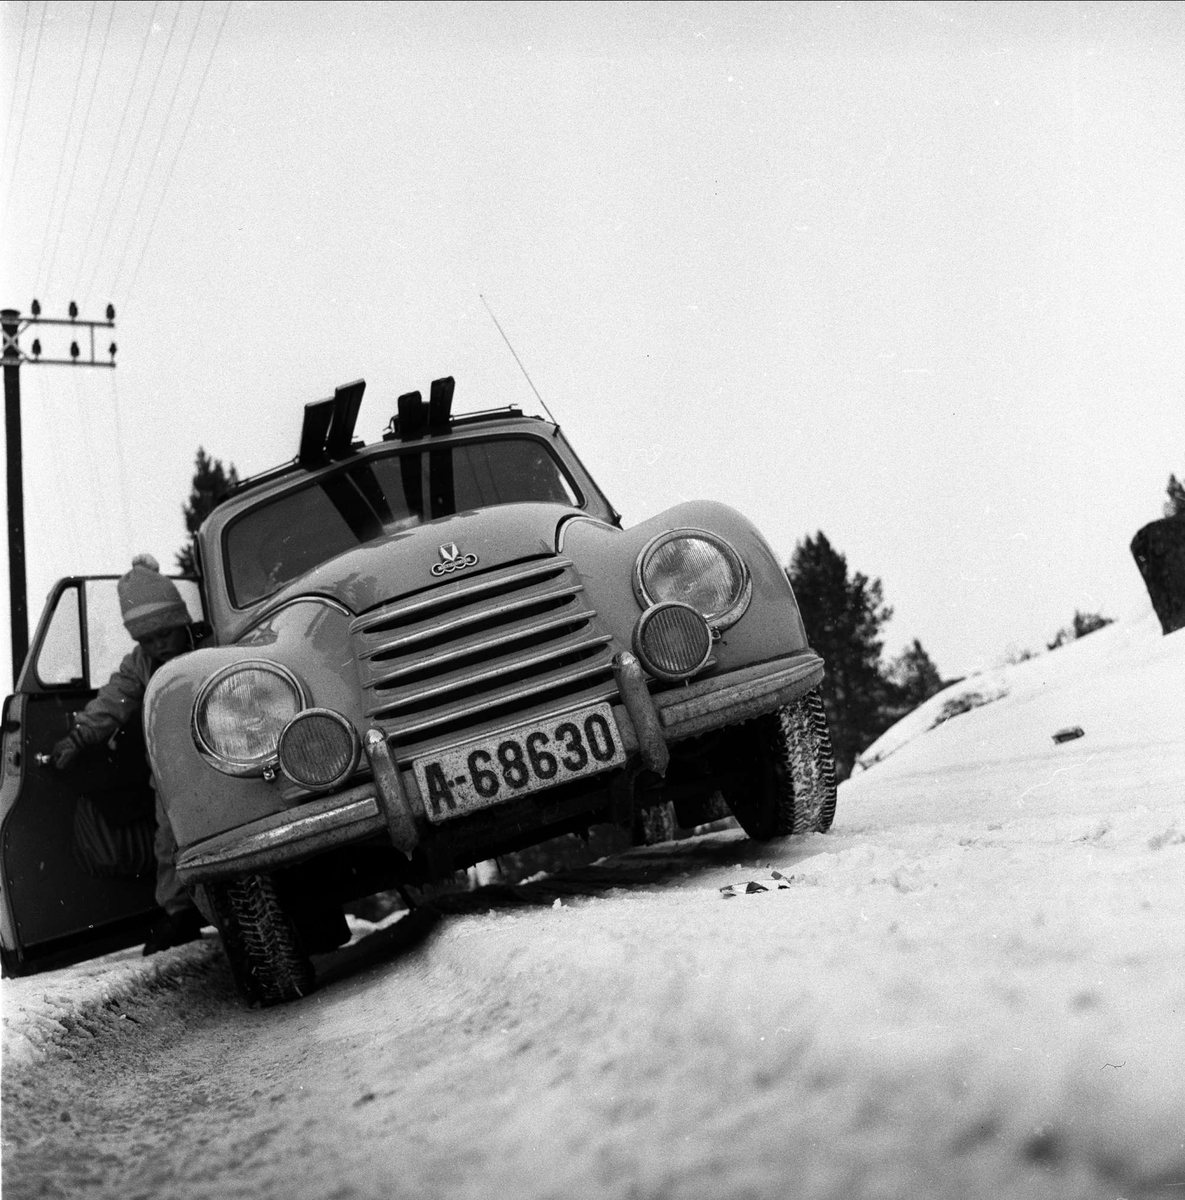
788, 781
266, 955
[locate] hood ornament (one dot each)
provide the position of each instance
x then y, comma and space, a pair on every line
451, 559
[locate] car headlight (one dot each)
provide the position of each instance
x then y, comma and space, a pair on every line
694, 567
240, 713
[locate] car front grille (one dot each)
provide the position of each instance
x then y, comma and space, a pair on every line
480, 653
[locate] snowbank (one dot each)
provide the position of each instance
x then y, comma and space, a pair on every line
1111, 654
41, 1011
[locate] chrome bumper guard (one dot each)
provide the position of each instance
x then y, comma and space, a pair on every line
392, 802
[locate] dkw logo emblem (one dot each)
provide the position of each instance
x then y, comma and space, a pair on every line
451, 559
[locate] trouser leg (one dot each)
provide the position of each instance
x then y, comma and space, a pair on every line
170, 892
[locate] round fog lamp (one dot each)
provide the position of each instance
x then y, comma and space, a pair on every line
318, 748
672, 640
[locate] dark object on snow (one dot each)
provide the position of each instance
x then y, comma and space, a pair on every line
1068, 734
777, 882
1159, 551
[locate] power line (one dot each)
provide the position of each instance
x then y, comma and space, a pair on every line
45, 408
135, 145
20, 54
86, 120
67, 497
90, 444
115, 145
177, 153
160, 141
65, 146
123, 470
20, 137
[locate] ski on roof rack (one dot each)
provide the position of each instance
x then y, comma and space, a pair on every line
327, 431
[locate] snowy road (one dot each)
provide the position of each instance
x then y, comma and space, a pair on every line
973, 987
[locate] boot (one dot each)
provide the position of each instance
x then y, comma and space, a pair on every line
174, 929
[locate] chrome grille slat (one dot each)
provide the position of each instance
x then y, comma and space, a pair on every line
377, 674
414, 746
452, 681
472, 587
440, 628
473, 654
504, 695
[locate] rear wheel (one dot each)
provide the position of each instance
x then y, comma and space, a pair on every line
788, 784
266, 954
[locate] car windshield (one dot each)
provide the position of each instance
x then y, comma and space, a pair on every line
281, 540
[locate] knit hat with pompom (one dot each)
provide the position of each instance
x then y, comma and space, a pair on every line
149, 602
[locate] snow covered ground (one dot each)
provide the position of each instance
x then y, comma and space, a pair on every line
974, 986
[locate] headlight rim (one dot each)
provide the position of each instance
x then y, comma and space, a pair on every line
355, 742
242, 768
722, 620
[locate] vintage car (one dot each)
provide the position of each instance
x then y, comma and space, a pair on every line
425, 652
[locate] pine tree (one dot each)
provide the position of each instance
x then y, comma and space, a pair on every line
211, 484
843, 616
1174, 506
915, 676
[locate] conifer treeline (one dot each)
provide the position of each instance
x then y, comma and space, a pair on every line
211, 483
844, 614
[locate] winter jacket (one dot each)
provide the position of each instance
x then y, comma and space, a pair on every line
119, 700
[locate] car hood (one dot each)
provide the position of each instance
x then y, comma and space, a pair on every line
402, 563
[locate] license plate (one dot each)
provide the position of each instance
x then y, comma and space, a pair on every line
527, 759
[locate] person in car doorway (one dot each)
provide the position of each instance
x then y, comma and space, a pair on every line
112, 842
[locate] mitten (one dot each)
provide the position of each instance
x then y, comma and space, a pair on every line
65, 751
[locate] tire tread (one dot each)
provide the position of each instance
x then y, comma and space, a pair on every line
265, 953
794, 784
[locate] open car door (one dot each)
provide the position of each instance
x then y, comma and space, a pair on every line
53, 908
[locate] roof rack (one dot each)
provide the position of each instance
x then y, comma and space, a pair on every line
267, 476
400, 429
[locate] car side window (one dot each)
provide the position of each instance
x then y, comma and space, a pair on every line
59, 661
106, 638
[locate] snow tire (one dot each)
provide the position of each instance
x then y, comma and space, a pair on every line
791, 787
266, 957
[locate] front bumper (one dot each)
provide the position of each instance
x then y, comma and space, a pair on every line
391, 801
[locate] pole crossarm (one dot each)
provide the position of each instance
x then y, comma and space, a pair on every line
15, 325
25, 322
67, 362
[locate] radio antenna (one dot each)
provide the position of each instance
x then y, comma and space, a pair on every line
518, 360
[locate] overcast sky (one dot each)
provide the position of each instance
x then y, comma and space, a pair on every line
909, 274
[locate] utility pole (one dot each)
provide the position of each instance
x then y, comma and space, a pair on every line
14, 325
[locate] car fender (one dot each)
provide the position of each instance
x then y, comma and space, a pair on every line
604, 556
310, 637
